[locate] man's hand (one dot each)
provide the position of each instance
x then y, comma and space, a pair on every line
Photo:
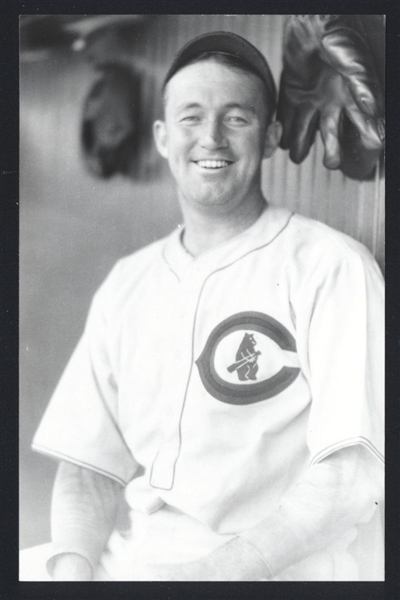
236, 560
71, 567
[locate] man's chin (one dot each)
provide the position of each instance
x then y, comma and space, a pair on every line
210, 196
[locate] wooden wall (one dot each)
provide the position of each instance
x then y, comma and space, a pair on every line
73, 227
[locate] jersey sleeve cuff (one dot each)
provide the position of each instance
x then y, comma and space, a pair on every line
353, 441
122, 479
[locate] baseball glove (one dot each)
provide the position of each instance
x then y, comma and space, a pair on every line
330, 83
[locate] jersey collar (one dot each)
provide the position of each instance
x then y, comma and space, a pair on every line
264, 231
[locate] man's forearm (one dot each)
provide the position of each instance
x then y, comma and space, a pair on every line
333, 496
83, 513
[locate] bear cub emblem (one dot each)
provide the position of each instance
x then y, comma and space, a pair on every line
246, 359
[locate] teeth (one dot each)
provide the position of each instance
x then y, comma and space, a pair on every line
212, 164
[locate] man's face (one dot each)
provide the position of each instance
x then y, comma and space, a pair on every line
214, 134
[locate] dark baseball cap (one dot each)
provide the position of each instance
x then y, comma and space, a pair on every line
225, 42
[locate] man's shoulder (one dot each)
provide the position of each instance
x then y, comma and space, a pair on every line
315, 239
141, 258
128, 271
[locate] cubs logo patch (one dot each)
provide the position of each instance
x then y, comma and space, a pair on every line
249, 357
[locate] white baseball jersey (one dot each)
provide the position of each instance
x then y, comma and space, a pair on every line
208, 385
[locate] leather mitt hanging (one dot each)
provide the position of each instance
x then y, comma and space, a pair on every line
110, 124
330, 83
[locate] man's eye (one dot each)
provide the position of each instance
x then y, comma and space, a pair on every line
190, 119
234, 119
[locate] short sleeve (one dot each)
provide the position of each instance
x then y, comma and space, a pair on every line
345, 356
80, 424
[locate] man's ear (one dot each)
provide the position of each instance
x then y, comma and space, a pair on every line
272, 138
160, 137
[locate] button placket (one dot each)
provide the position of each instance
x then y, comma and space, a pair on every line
163, 469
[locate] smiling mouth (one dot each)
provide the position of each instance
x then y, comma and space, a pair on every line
213, 164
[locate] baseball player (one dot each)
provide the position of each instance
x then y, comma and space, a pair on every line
229, 378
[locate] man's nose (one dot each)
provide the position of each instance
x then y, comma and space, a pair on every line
212, 135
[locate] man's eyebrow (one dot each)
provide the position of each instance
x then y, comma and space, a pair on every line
248, 107
189, 105
229, 105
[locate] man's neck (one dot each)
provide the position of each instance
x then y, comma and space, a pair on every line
206, 230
